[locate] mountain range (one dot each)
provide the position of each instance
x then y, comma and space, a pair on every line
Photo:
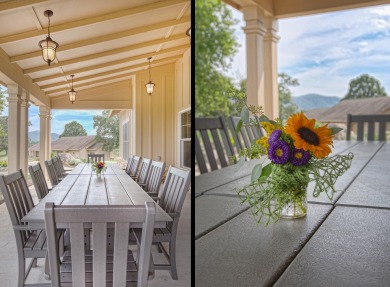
314, 101
34, 136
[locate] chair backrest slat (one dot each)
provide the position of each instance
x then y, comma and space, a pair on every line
51, 171
77, 252
94, 158
39, 180
209, 132
155, 175
99, 253
18, 200
173, 193
246, 134
135, 165
200, 157
101, 218
371, 121
144, 170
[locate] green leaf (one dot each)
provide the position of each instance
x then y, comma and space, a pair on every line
256, 172
245, 115
239, 125
335, 130
266, 171
263, 118
240, 163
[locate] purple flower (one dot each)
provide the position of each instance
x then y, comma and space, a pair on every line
275, 135
300, 157
279, 152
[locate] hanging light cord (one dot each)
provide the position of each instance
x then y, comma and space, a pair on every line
48, 29
150, 77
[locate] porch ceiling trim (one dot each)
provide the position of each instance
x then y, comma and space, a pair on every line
12, 74
292, 8
9, 5
92, 20
105, 38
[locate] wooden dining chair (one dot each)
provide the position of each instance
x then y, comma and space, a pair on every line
129, 161
30, 243
213, 148
143, 171
64, 170
39, 181
54, 179
133, 169
58, 168
372, 122
171, 199
245, 136
153, 182
93, 158
101, 266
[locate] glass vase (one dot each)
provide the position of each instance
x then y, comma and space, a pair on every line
297, 207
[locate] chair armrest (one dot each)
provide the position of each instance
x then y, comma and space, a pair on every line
155, 198
151, 268
141, 184
22, 227
174, 214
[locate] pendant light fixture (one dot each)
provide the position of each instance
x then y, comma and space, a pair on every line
72, 93
48, 46
150, 85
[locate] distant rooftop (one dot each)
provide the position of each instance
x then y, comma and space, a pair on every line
339, 112
69, 143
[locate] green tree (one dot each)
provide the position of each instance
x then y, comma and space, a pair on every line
215, 47
73, 129
365, 86
4, 133
107, 130
286, 106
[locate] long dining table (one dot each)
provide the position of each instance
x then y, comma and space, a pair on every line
342, 242
83, 187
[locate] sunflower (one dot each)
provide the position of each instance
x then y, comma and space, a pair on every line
307, 137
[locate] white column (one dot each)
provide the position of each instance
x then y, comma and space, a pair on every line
48, 132
255, 31
24, 132
271, 39
14, 99
43, 136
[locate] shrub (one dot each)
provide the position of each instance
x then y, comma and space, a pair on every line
3, 163
74, 162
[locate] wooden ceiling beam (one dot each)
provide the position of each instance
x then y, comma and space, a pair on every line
15, 4
126, 69
92, 20
104, 65
104, 54
105, 38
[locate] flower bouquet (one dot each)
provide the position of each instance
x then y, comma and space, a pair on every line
99, 167
297, 153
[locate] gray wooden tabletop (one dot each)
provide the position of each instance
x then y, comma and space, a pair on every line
343, 242
83, 187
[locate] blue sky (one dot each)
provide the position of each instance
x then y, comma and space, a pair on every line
325, 51
62, 117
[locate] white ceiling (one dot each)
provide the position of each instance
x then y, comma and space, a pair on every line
100, 41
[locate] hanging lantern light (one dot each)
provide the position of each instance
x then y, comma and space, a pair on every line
150, 85
72, 93
48, 46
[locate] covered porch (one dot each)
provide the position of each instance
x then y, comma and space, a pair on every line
106, 46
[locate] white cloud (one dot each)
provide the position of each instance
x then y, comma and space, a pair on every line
325, 51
